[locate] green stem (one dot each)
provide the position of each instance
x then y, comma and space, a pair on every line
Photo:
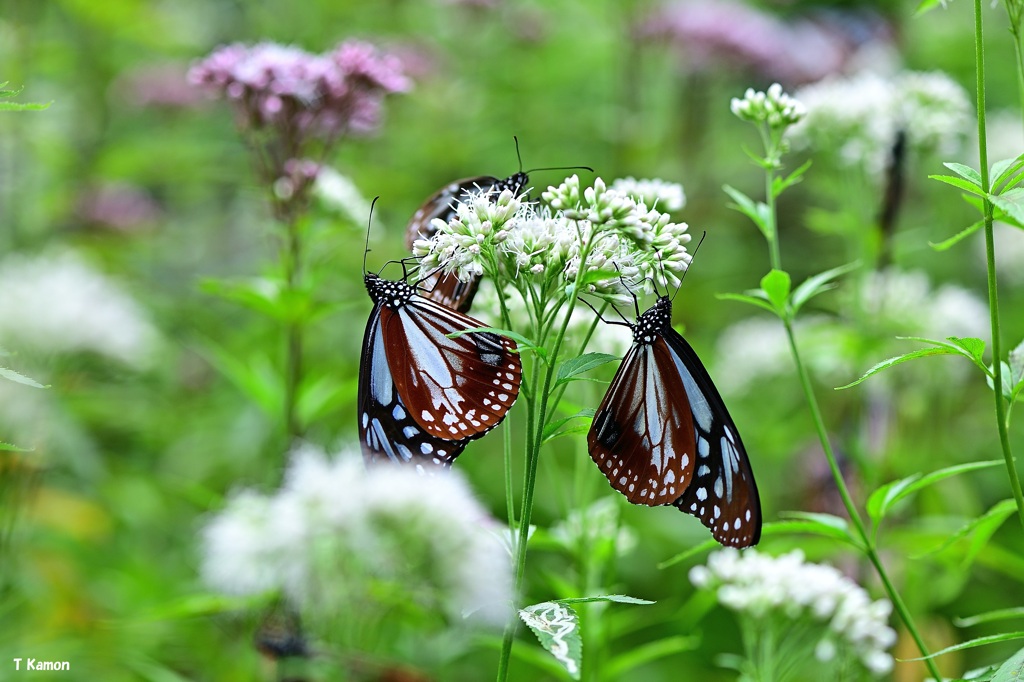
771, 225
990, 257
293, 332
851, 509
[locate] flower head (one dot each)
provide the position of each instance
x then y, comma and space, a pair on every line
335, 535
772, 107
59, 304
667, 196
759, 586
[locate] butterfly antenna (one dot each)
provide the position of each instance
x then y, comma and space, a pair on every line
534, 170
692, 256
369, 220
515, 138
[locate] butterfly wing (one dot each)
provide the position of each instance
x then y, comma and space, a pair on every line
642, 437
448, 290
386, 430
455, 388
723, 494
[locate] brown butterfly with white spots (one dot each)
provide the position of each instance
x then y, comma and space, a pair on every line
662, 434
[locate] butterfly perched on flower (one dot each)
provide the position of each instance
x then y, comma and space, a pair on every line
662, 434
448, 289
425, 388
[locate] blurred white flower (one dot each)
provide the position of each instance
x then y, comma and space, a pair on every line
859, 116
335, 535
662, 195
773, 106
596, 523
904, 302
58, 303
760, 587
338, 192
1009, 251
1004, 134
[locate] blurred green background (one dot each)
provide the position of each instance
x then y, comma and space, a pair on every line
99, 554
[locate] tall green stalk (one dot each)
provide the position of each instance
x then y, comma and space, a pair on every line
990, 259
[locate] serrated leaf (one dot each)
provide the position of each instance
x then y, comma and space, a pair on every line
958, 237
816, 284
959, 183
557, 627
1012, 670
885, 497
1011, 201
974, 643
11, 375
617, 598
1003, 170
965, 172
10, 447
975, 348
583, 363
620, 665
747, 298
989, 616
29, 106
899, 359
776, 286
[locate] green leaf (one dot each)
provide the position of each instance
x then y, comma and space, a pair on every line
522, 341
958, 237
816, 284
17, 106
196, 605
552, 427
776, 285
882, 500
1005, 169
989, 616
1016, 363
557, 626
825, 525
988, 522
757, 212
927, 6
617, 598
780, 184
11, 375
892, 362
971, 644
9, 447
619, 666
254, 375
973, 348
703, 547
965, 172
1012, 670
959, 183
584, 363
758, 301
1011, 201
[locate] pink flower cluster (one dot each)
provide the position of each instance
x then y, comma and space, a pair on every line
311, 95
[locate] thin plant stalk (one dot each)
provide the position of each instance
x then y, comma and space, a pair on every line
990, 259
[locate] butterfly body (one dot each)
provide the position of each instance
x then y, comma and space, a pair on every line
448, 289
424, 393
662, 435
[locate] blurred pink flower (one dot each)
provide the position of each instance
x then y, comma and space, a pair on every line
313, 95
157, 85
713, 34
118, 206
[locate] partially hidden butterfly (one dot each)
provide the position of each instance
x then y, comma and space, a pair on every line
424, 394
448, 289
662, 434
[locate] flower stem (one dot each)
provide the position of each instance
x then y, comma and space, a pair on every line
293, 332
851, 509
990, 258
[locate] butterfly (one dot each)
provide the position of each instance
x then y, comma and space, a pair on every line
662, 434
448, 289
423, 394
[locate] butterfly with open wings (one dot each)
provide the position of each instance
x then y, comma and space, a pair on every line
662, 434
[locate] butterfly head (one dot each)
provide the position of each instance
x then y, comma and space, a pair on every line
387, 292
654, 322
515, 183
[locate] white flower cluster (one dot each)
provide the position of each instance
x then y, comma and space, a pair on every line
665, 196
861, 115
337, 192
905, 302
597, 523
774, 107
336, 534
759, 585
507, 237
59, 304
